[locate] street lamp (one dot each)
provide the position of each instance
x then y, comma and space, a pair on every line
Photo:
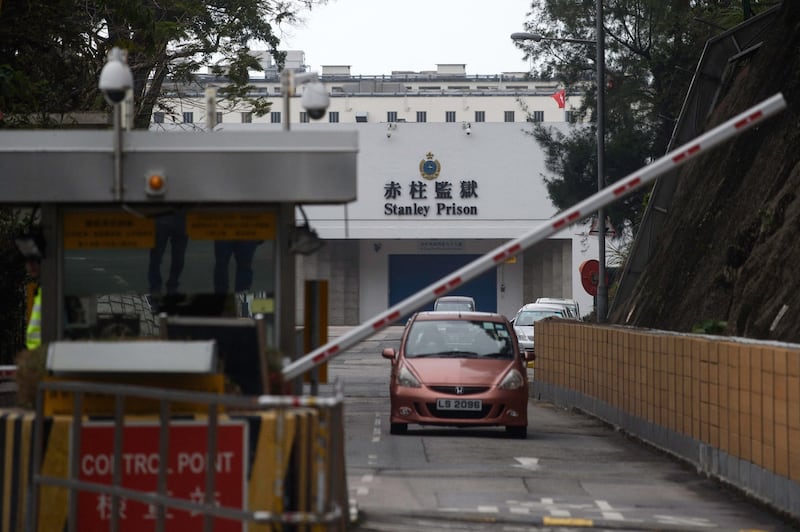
601, 307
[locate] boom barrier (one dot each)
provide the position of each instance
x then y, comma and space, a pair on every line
681, 155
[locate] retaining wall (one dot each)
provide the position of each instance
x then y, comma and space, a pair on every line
730, 406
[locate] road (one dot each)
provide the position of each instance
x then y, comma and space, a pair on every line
572, 472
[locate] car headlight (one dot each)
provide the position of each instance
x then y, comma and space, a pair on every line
512, 381
406, 378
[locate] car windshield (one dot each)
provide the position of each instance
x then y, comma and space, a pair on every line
527, 317
459, 339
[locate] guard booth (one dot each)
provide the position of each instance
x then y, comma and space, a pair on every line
168, 304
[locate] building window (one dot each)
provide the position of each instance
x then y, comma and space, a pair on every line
188, 117
536, 116
569, 117
450, 116
391, 116
333, 116
247, 117
303, 117
508, 116
158, 117
275, 117
480, 116
422, 116
218, 117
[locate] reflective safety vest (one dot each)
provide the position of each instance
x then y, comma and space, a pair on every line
33, 338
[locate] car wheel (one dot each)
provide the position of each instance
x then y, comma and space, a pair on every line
517, 432
398, 428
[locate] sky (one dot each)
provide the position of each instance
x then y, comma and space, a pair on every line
378, 36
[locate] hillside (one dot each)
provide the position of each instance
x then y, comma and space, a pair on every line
730, 250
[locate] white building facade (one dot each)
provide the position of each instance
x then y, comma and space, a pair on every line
447, 172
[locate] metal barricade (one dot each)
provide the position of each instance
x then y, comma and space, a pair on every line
322, 507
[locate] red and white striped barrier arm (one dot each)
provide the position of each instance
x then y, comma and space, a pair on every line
714, 137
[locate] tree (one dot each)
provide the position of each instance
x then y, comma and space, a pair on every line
52, 51
652, 48
12, 304
51, 54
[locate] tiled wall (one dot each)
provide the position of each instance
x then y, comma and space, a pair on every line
731, 406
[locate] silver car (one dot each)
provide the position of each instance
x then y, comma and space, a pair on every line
530, 314
570, 304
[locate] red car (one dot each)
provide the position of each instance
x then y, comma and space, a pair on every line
462, 369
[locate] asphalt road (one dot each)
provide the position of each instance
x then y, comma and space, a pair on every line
573, 472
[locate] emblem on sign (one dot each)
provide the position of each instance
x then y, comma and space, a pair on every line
429, 167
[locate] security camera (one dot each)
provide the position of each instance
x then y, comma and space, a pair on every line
469, 131
388, 134
116, 77
315, 100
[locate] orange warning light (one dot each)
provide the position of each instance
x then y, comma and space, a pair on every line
155, 184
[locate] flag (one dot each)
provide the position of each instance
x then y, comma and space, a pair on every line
561, 98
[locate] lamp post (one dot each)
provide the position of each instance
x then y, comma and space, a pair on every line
601, 306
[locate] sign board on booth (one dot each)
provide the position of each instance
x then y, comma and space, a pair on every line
186, 473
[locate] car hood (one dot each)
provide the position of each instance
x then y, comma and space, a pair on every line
464, 371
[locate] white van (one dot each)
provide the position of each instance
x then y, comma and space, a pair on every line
455, 303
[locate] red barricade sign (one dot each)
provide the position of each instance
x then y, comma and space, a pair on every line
186, 474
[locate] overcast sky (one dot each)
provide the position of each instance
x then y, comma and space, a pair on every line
379, 36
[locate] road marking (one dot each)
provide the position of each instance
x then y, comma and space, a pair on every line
531, 464
372, 459
559, 521
683, 521
367, 478
560, 514
608, 511
376, 431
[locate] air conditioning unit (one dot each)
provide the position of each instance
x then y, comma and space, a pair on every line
361, 116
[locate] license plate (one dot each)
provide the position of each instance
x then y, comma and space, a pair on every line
458, 404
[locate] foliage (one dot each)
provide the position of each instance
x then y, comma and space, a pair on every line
51, 55
12, 304
710, 327
652, 48
52, 51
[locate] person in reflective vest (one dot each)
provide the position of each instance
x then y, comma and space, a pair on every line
33, 335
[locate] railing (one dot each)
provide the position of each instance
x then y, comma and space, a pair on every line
8, 385
324, 501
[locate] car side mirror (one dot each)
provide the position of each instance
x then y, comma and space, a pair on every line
388, 352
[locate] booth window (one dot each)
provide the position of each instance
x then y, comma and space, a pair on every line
121, 270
